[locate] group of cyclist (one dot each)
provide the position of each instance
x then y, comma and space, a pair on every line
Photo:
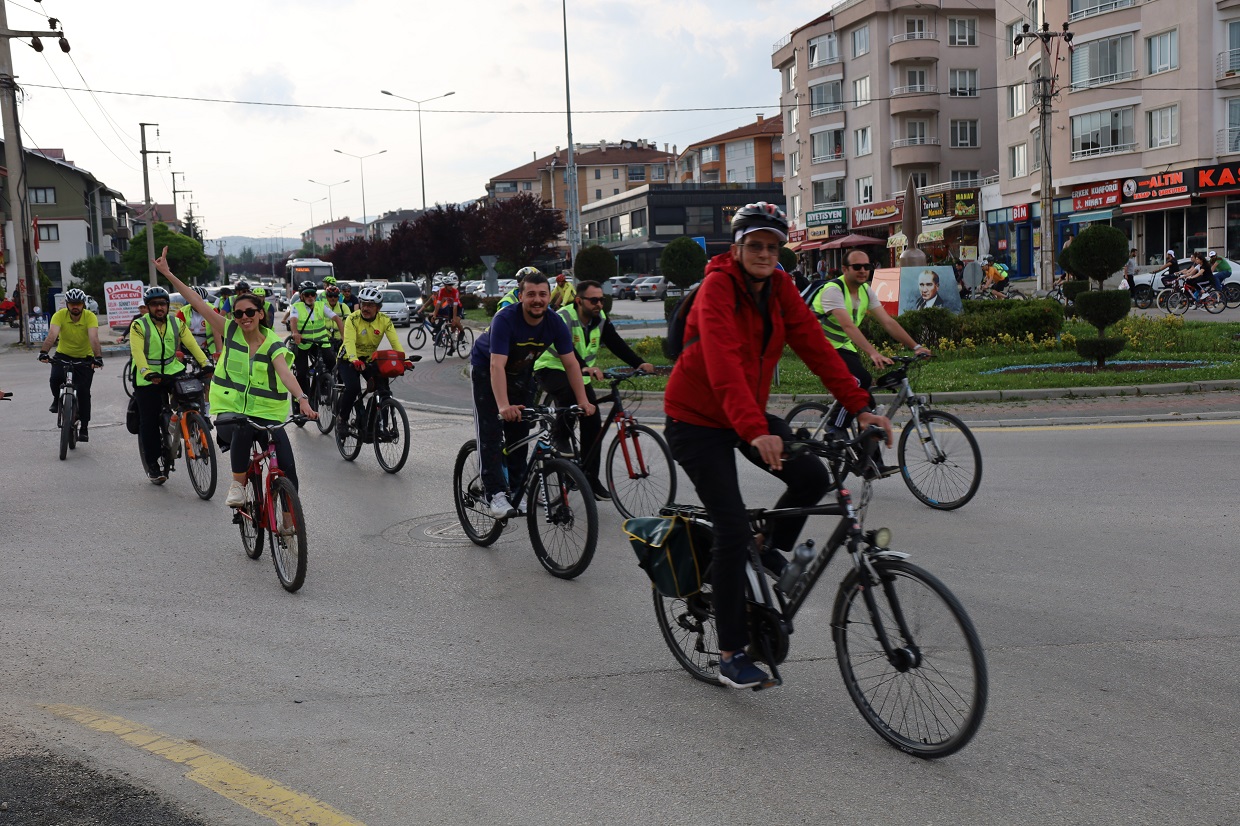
1205, 269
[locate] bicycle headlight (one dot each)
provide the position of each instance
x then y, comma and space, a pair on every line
882, 538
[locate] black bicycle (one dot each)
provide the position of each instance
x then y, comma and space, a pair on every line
67, 409
448, 342
907, 650
378, 419
184, 430
127, 377
558, 502
320, 387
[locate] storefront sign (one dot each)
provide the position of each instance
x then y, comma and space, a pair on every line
1167, 185
1096, 196
1020, 212
876, 214
796, 236
121, 300
825, 217
933, 207
964, 203
1001, 244
1216, 180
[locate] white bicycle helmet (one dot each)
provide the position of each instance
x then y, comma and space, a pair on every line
451, 280
370, 294
75, 296
202, 292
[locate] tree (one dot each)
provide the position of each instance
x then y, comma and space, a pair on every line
1096, 254
787, 259
594, 263
519, 230
185, 255
349, 258
91, 274
683, 262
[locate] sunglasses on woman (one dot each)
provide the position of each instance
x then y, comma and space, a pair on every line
249, 312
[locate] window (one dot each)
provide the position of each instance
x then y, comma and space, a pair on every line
865, 189
962, 31
615, 192
827, 145
823, 50
794, 164
860, 40
598, 194
740, 149
796, 205
794, 119
1088, 8
1103, 133
49, 232
637, 172
1016, 100
915, 28
1035, 140
658, 173
42, 195
965, 177
526, 185
791, 73
1018, 160
915, 131
699, 220
710, 154
920, 179
861, 91
861, 141
915, 80
962, 83
1012, 30
830, 191
598, 173
1162, 52
1102, 61
825, 97
964, 134
502, 186
615, 173
1163, 126
777, 146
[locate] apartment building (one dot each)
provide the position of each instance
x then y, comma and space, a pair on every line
335, 232
877, 91
753, 153
604, 169
1145, 134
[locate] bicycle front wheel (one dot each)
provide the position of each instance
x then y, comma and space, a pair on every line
688, 627
943, 468
1143, 296
470, 499
68, 413
250, 517
323, 400
288, 541
563, 518
465, 344
640, 473
417, 337
127, 377
391, 435
1231, 293
1015, 295
927, 696
200, 455
1178, 303
812, 416
440, 347
1214, 302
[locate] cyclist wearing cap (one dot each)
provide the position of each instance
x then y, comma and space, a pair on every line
743, 315
564, 292
74, 332
501, 371
155, 344
253, 379
995, 278
1220, 268
364, 330
347, 298
311, 321
513, 296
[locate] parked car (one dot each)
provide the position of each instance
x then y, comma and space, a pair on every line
395, 308
653, 287
616, 285
411, 291
1147, 284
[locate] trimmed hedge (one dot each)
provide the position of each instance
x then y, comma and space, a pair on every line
1102, 308
491, 304
980, 320
1098, 350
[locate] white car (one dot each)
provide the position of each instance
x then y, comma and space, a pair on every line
1147, 284
394, 307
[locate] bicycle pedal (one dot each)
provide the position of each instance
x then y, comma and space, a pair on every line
774, 682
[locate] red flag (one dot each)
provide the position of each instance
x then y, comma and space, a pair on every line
34, 232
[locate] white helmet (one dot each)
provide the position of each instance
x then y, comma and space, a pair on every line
450, 280
370, 294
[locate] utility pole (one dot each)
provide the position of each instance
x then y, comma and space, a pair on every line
176, 192
1044, 92
574, 198
14, 161
150, 211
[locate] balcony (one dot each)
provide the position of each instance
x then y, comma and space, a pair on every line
1227, 141
108, 225
1100, 8
830, 156
1102, 80
824, 109
915, 152
1096, 151
920, 5
1227, 69
919, 46
917, 98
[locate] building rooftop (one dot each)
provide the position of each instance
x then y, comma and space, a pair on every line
762, 126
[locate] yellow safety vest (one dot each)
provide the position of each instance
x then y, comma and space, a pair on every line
168, 343
250, 386
585, 347
835, 333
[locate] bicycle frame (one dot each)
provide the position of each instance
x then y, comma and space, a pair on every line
623, 420
265, 466
542, 417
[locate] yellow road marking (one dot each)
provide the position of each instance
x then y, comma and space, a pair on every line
1112, 426
219, 774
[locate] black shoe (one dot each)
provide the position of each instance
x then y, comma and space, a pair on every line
601, 493
55, 406
157, 477
83, 435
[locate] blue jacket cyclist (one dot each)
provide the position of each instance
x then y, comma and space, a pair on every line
253, 378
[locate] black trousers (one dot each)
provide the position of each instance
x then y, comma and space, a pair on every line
838, 416
500, 472
83, 375
301, 364
240, 438
555, 382
352, 381
708, 456
150, 401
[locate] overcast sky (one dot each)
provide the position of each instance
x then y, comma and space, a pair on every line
246, 164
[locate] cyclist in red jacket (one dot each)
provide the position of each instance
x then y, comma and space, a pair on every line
744, 313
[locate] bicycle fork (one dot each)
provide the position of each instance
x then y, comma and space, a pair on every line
925, 436
622, 433
907, 656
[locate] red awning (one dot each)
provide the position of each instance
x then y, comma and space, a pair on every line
1153, 206
810, 245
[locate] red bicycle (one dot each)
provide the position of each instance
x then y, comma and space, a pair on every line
272, 508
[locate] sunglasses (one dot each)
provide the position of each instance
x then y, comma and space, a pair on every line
247, 313
761, 248
860, 267
594, 301
157, 303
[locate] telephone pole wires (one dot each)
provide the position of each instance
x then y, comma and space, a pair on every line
150, 211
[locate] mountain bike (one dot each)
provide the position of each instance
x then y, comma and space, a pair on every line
559, 505
1185, 298
67, 406
423, 326
272, 508
449, 342
379, 419
640, 474
183, 429
908, 653
947, 470
319, 386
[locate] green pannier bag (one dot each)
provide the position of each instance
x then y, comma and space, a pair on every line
672, 550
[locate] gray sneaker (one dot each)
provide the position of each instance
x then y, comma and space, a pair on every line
500, 508
236, 495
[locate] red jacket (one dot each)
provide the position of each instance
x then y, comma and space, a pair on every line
723, 378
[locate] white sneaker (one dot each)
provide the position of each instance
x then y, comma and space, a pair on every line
236, 495
522, 506
500, 507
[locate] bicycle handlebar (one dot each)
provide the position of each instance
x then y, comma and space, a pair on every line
238, 418
622, 373
832, 443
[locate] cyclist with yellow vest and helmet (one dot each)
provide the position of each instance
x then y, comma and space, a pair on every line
197, 324
364, 330
590, 328
513, 296
563, 293
74, 332
332, 300
155, 343
269, 311
841, 305
253, 379
312, 319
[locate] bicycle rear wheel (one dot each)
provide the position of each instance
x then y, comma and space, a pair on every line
440, 347
288, 542
470, 499
323, 400
465, 344
1015, 295
943, 469
416, 337
927, 698
250, 519
1178, 303
688, 627
68, 413
391, 435
563, 519
809, 415
1231, 292
200, 455
640, 473
348, 439
127, 377
1214, 302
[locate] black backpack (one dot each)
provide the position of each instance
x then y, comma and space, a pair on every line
674, 342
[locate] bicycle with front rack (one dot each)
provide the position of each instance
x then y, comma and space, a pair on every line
272, 509
184, 430
378, 419
908, 653
558, 502
640, 474
947, 470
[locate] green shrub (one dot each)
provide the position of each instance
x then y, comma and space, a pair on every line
595, 263
982, 320
682, 262
470, 301
787, 259
1102, 308
1098, 350
928, 325
669, 304
607, 302
491, 304
1098, 252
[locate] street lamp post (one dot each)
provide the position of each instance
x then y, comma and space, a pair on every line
362, 172
311, 205
421, 165
330, 215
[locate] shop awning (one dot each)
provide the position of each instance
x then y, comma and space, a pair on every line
1154, 206
793, 245
1092, 215
934, 232
897, 240
810, 245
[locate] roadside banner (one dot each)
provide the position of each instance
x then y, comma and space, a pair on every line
121, 302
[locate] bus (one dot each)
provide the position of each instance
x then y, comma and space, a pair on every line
298, 270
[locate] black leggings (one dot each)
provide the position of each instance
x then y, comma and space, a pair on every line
239, 437
838, 416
